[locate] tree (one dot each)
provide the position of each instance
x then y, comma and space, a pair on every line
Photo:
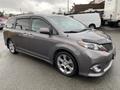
10, 15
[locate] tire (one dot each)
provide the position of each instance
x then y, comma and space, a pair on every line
104, 23
111, 24
92, 26
11, 47
66, 64
118, 23
1, 28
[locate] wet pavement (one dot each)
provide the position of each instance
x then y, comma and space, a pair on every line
23, 72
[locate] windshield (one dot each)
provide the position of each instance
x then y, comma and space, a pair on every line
67, 24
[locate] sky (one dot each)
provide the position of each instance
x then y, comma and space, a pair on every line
37, 6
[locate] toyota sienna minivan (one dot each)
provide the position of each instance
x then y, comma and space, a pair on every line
62, 41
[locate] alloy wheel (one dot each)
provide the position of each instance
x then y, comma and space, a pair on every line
65, 64
11, 47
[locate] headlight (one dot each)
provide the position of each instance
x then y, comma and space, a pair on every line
92, 46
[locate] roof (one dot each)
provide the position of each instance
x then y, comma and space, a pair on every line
42, 15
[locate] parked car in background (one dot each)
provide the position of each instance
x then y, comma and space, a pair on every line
91, 20
2, 22
62, 41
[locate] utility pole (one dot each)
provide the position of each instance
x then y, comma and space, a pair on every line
68, 6
21, 11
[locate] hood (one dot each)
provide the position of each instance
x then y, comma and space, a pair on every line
91, 36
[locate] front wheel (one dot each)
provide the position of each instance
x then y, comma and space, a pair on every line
11, 47
66, 64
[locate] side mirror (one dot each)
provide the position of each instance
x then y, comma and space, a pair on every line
45, 31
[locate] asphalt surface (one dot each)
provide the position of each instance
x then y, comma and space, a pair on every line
23, 72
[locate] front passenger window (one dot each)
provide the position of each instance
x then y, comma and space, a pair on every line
37, 24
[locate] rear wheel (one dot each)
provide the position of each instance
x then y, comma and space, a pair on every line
118, 23
92, 26
66, 64
11, 47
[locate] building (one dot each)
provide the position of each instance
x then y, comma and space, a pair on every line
93, 6
98, 1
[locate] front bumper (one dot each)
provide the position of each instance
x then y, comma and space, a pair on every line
90, 58
101, 73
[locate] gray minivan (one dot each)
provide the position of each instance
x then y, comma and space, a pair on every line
62, 41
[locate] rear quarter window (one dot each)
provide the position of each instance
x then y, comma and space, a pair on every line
10, 23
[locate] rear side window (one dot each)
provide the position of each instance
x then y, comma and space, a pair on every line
10, 23
23, 24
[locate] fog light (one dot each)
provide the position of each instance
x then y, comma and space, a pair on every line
96, 68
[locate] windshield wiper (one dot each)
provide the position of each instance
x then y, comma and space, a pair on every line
71, 31
76, 31
85, 29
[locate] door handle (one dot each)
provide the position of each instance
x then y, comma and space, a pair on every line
22, 34
25, 33
30, 35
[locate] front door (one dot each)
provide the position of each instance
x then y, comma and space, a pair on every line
40, 43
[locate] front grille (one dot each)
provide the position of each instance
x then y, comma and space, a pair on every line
108, 46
